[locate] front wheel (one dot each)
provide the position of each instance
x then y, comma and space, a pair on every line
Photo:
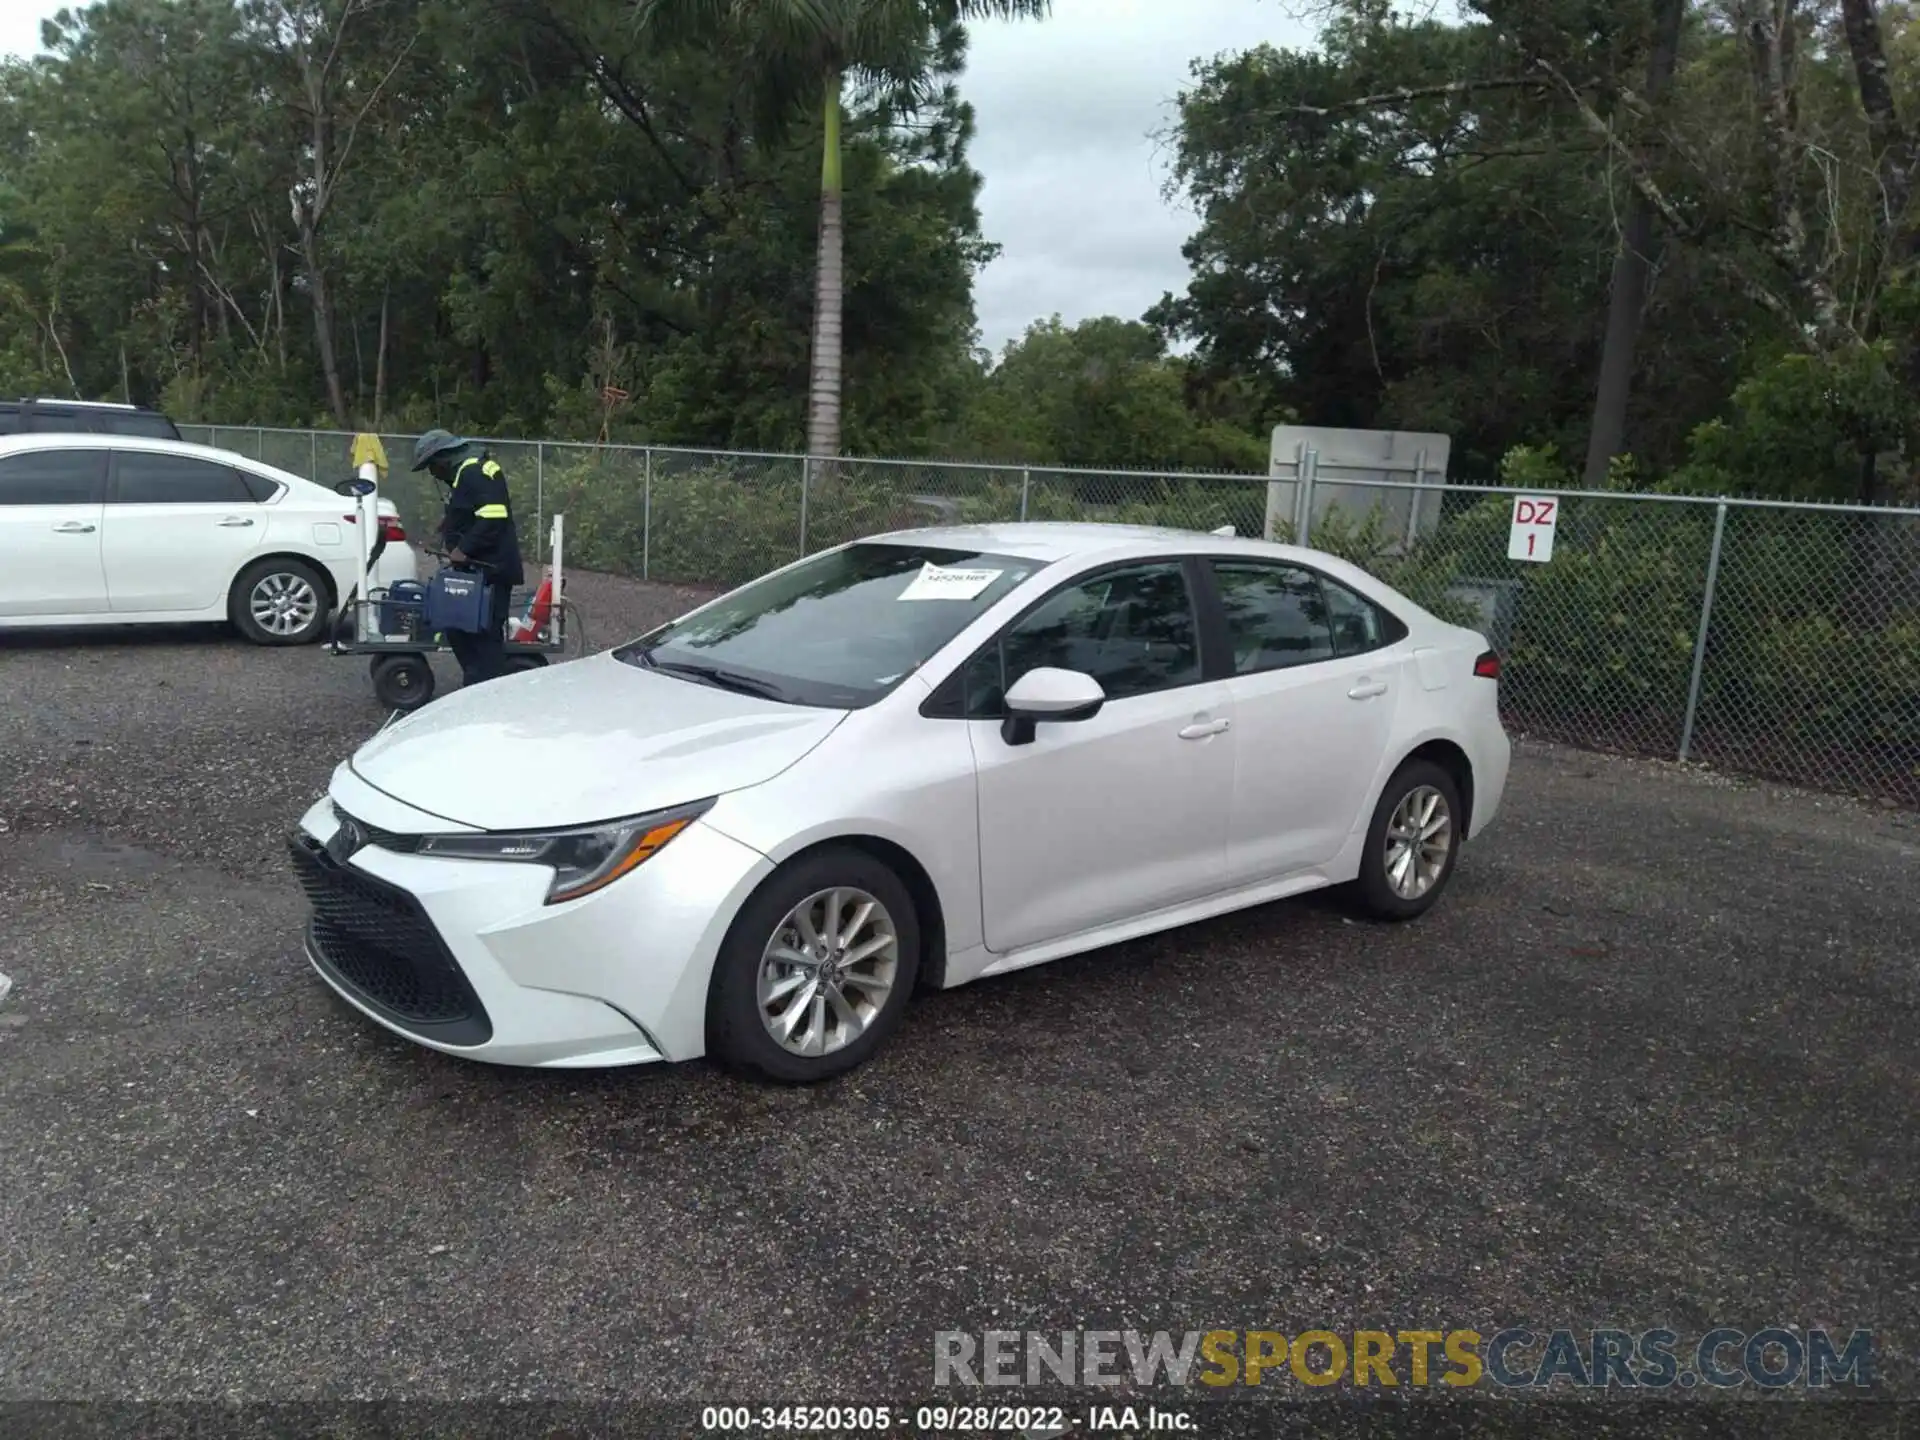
1413, 843
816, 970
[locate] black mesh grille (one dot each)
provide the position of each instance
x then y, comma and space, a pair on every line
377, 942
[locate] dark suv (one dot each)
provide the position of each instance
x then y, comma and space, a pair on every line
39, 417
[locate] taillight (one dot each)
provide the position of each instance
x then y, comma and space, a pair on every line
1487, 667
391, 530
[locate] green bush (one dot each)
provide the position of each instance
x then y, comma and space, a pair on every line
1817, 684
721, 521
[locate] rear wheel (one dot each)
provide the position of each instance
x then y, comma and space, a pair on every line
279, 601
1413, 843
816, 970
514, 664
402, 682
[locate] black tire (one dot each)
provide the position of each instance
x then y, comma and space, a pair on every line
402, 682
1373, 889
514, 664
736, 1036
294, 578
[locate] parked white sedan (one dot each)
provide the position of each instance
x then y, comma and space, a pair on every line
118, 530
916, 760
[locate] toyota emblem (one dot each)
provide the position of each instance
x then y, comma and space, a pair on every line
347, 839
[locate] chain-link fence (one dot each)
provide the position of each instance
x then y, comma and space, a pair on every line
1777, 640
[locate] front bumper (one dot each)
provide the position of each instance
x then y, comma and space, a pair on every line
465, 957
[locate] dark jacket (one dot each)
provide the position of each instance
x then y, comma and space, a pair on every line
479, 520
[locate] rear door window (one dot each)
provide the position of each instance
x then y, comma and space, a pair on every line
143, 479
1276, 615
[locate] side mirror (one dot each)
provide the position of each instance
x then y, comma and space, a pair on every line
1049, 694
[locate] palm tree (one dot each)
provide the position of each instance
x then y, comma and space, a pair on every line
803, 52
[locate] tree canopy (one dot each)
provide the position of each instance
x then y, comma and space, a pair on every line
1417, 226
1674, 235
492, 212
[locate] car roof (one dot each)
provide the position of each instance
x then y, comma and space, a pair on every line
54, 403
1055, 540
94, 440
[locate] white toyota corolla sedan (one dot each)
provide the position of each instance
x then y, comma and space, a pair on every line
910, 762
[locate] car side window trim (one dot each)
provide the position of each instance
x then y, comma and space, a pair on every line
948, 700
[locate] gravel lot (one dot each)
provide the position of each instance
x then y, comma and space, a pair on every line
1654, 1061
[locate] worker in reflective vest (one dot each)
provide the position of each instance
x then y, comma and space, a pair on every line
477, 530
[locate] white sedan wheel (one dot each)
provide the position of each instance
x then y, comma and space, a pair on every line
827, 972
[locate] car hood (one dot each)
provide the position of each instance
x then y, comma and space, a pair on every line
589, 740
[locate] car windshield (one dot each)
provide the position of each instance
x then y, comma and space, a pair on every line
839, 630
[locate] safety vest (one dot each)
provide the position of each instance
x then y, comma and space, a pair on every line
488, 468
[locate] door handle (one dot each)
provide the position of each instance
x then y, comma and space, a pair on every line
73, 527
1367, 689
234, 520
1201, 729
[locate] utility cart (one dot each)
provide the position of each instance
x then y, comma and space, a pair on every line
389, 624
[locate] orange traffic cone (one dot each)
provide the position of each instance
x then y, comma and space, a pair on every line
531, 625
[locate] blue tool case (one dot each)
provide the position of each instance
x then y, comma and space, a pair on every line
457, 600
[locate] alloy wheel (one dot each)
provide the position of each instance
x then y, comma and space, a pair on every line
283, 604
827, 972
1419, 840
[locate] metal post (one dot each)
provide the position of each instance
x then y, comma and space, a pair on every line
1309, 464
646, 518
540, 485
313, 455
806, 475
1271, 521
1706, 618
366, 509
1026, 485
1413, 510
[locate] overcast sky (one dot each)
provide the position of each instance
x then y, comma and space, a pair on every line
1067, 111
20, 25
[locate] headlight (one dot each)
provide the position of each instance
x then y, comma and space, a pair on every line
583, 860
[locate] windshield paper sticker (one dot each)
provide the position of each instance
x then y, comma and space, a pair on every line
935, 582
